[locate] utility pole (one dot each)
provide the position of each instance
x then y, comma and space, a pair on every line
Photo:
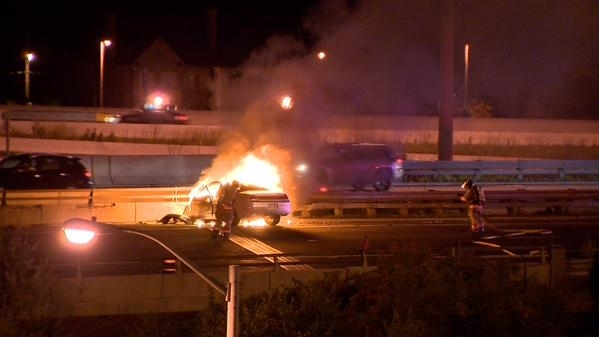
446, 94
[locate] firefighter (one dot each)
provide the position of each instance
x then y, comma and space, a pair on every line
475, 199
225, 212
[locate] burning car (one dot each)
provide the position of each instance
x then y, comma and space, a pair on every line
249, 203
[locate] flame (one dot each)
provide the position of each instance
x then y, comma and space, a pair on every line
250, 170
255, 171
258, 222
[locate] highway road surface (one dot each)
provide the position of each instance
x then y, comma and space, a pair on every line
309, 244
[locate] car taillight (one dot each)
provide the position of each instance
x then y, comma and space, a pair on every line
399, 162
181, 118
88, 174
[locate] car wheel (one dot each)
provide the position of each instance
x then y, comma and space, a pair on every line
382, 182
272, 220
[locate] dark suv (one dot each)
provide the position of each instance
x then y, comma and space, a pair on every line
43, 171
356, 164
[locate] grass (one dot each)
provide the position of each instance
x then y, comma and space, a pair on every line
565, 152
212, 137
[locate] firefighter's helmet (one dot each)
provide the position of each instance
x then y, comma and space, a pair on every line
467, 184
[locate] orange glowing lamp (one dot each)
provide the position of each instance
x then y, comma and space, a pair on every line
287, 102
79, 236
80, 231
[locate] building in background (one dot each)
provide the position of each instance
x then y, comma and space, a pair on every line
159, 69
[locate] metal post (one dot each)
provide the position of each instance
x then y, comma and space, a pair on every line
363, 249
232, 300
103, 45
101, 94
6, 118
28, 58
466, 74
27, 72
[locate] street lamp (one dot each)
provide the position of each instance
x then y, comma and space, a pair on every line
286, 102
103, 45
28, 58
81, 231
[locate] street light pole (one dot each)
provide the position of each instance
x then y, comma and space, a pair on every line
28, 58
82, 231
103, 45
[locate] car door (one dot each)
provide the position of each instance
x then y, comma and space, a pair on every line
345, 170
363, 164
50, 173
22, 175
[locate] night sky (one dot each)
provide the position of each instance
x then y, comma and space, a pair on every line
529, 58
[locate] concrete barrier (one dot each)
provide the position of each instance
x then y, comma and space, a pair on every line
147, 170
142, 294
92, 148
105, 211
139, 294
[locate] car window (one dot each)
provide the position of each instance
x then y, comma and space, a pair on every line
48, 164
360, 152
26, 165
72, 164
366, 152
10, 162
383, 153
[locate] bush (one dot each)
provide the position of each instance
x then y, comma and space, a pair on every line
409, 294
26, 283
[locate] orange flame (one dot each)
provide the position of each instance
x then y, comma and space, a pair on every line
250, 170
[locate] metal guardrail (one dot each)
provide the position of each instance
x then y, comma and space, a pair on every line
516, 170
359, 203
579, 267
509, 201
178, 194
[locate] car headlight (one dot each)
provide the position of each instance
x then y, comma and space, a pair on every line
108, 118
112, 119
301, 168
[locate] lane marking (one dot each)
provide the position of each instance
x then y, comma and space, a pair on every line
260, 248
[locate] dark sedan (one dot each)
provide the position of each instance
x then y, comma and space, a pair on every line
43, 171
155, 116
